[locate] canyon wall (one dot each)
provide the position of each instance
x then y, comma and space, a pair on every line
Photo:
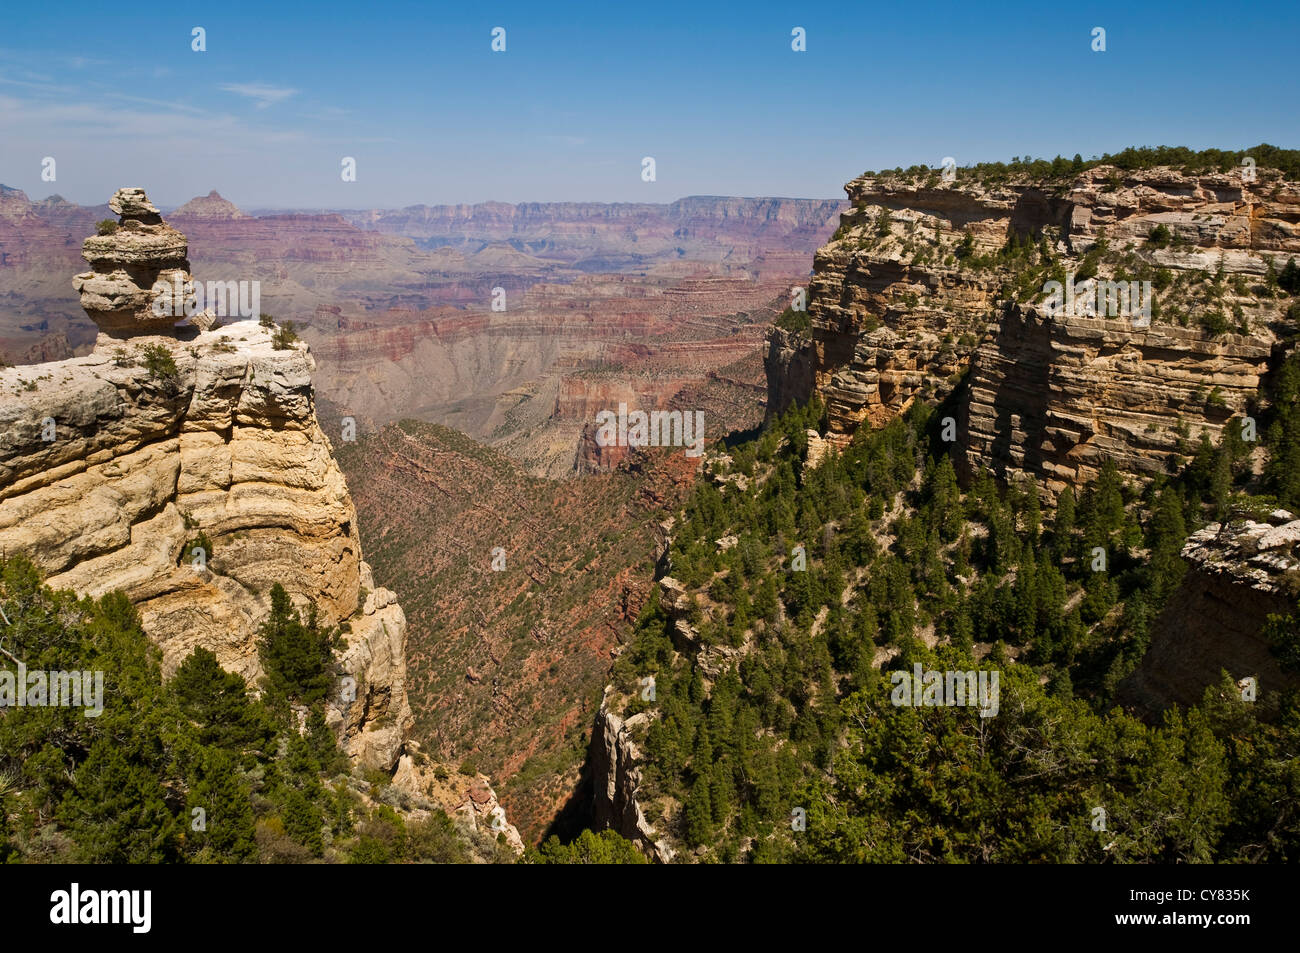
771, 232
925, 283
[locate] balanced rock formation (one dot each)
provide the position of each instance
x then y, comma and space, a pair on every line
926, 283
112, 465
131, 267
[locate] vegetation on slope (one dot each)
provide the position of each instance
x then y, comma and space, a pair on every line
506, 665
903, 567
193, 769
1133, 158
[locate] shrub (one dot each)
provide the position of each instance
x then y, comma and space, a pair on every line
434, 839
265, 320
105, 227
1212, 322
1289, 279
1159, 236
158, 361
607, 847
967, 246
792, 320
284, 337
200, 541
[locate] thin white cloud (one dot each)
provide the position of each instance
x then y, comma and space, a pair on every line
261, 93
45, 87
161, 103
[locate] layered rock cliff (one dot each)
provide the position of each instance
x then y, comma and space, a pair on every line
602, 236
614, 759
113, 464
925, 283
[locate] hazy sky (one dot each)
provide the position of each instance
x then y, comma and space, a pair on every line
713, 92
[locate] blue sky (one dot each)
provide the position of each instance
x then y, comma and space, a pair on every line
583, 91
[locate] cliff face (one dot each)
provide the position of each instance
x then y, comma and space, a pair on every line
922, 284
613, 758
40, 245
111, 465
527, 380
1238, 576
1054, 398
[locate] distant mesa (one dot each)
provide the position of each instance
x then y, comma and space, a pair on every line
127, 262
211, 207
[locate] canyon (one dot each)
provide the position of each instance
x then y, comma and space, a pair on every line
939, 293
466, 459
185, 467
401, 328
519, 591
600, 302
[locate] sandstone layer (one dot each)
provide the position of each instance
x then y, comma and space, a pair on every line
926, 283
1054, 398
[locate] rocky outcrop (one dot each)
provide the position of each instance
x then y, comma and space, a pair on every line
925, 283
613, 759
469, 799
1239, 575
127, 262
113, 466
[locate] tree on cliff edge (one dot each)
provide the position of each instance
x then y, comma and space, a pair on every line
297, 655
